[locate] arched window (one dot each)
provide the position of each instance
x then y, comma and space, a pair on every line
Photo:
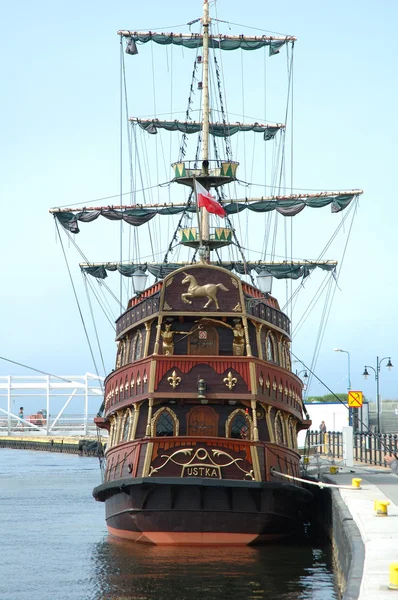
270, 348
137, 345
126, 426
112, 432
119, 355
279, 429
292, 432
164, 423
286, 356
239, 425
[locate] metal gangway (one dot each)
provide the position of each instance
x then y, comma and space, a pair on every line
53, 405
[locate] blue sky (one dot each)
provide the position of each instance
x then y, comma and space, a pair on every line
60, 146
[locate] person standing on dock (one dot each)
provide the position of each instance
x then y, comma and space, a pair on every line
322, 430
20, 415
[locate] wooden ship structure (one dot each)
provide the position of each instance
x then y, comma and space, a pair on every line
202, 407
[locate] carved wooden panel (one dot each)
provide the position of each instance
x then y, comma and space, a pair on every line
202, 289
204, 341
202, 421
201, 459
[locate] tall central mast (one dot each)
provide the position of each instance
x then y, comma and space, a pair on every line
205, 117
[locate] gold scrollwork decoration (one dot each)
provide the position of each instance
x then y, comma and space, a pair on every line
238, 308
230, 381
234, 282
166, 306
174, 380
204, 464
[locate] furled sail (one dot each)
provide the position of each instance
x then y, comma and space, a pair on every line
288, 206
223, 42
216, 129
284, 270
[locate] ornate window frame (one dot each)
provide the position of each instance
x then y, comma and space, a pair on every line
119, 355
291, 426
137, 341
112, 432
173, 416
228, 424
279, 417
270, 338
127, 416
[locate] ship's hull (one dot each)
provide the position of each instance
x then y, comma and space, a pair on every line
202, 512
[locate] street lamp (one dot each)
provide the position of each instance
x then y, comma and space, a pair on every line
376, 370
304, 378
350, 419
305, 382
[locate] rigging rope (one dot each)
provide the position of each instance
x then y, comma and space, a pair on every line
77, 302
14, 362
94, 324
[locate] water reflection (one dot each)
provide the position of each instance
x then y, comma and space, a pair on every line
125, 571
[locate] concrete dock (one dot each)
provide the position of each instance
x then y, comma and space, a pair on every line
379, 533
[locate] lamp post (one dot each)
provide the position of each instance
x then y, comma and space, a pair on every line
305, 382
305, 377
377, 376
350, 415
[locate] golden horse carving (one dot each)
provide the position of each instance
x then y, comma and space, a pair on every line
199, 291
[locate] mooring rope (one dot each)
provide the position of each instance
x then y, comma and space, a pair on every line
318, 483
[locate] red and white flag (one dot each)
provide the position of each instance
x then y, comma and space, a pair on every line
206, 200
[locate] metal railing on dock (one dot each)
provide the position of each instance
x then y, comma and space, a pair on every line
368, 448
52, 405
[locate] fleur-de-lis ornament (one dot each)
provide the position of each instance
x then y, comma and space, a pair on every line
174, 380
230, 381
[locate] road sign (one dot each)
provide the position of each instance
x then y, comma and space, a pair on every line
355, 399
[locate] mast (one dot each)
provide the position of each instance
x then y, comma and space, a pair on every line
205, 115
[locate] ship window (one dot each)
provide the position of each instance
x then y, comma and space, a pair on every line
119, 355
239, 428
112, 434
270, 348
137, 345
126, 426
239, 425
164, 423
279, 430
287, 357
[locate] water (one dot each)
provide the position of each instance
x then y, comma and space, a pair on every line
55, 546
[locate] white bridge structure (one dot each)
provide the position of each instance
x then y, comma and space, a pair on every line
53, 405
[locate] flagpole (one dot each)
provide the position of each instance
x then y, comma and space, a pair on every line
197, 212
205, 113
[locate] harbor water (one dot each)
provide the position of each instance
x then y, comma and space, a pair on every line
55, 545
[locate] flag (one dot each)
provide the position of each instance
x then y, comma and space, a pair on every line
206, 200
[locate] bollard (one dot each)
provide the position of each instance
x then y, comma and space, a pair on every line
334, 469
380, 508
356, 483
393, 585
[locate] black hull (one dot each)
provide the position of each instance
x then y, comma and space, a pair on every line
166, 511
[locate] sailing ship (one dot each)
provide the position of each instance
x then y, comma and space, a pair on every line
203, 408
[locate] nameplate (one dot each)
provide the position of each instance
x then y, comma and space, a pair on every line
201, 471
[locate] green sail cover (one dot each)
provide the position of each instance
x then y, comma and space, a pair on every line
216, 129
160, 270
195, 40
138, 216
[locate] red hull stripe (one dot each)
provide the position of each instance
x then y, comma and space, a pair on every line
179, 538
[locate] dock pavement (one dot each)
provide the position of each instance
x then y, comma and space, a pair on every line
379, 533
